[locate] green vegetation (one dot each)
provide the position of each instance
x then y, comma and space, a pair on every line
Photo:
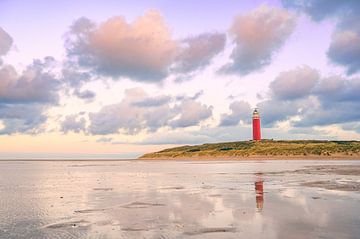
271, 148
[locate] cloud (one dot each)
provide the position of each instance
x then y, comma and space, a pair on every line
352, 126
338, 89
338, 112
175, 138
85, 95
322, 9
104, 140
25, 97
335, 106
200, 136
257, 36
191, 113
306, 99
294, 83
344, 48
240, 110
196, 96
273, 110
330, 86
36, 84
5, 42
22, 118
153, 101
198, 51
140, 112
108, 121
73, 123
73, 77
289, 95
142, 50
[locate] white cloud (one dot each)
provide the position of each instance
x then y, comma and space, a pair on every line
191, 113
132, 115
73, 123
240, 110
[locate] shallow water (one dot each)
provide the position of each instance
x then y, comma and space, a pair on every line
179, 199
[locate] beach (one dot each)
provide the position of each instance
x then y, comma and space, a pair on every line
180, 199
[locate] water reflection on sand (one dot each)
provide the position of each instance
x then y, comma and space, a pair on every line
259, 190
137, 199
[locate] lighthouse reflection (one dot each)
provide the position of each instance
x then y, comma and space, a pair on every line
259, 190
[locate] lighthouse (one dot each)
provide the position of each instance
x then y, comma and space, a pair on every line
256, 125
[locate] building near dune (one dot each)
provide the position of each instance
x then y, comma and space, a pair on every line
256, 125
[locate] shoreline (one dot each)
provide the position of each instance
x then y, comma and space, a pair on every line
256, 158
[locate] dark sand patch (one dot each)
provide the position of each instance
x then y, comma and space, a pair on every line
142, 205
332, 185
103, 189
104, 223
70, 224
210, 230
334, 169
207, 187
323, 170
130, 229
173, 188
215, 195
89, 210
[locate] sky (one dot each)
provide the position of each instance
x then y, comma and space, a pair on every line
116, 79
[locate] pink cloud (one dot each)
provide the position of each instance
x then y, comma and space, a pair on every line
142, 50
257, 36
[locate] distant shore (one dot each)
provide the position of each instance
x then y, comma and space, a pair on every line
262, 150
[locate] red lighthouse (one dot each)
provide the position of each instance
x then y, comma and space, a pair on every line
256, 125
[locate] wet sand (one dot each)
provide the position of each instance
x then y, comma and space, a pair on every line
180, 199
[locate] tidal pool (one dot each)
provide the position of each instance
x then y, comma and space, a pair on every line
180, 199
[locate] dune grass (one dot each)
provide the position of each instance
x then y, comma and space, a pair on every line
262, 148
